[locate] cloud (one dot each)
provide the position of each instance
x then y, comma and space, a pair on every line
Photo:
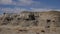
43, 9
26, 5
18, 2
12, 10
26, 1
18, 10
40, 9
5, 1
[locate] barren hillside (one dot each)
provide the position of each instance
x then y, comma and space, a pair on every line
30, 23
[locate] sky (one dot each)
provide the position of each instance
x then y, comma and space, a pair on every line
16, 6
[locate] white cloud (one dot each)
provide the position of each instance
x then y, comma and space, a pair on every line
5, 1
18, 10
43, 9
12, 10
19, 3
26, 1
40, 9
22, 3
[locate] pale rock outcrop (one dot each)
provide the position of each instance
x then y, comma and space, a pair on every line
30, 23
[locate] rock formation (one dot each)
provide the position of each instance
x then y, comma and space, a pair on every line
30, 23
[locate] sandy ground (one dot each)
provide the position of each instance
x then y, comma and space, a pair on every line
25, 30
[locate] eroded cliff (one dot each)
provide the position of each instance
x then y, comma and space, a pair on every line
30, 23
